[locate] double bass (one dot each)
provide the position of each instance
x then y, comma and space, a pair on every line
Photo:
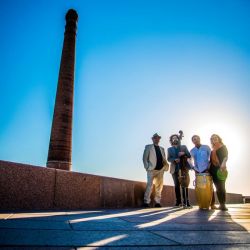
184, 177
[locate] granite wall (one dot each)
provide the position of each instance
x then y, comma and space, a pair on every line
26, 187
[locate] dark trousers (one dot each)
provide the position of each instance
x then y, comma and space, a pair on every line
220, 187
178, 190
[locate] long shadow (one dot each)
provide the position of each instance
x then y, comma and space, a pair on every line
119, 227
70, 229
204, 229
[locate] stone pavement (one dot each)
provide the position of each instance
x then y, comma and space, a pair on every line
155, 228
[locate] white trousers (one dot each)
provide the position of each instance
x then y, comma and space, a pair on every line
154, 177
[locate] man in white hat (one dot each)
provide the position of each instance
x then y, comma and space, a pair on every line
155, 163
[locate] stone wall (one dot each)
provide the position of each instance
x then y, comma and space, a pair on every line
26, 187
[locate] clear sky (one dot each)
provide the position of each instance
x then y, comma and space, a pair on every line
141, 67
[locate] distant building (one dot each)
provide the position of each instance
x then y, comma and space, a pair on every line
246, 199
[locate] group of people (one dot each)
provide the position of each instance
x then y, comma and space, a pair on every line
200, 158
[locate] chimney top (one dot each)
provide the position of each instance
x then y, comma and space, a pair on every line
71, 15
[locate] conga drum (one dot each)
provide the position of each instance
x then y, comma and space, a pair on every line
204, 190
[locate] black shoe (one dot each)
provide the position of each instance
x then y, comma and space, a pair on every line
146, 205
223, 208
178, 204
187, 205
157, 205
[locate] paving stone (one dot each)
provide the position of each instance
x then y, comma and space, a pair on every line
59, 216
127, 229
79, 238
34, 224
106, 226
100, 219
37, 248
206, 237
196, 227
191, 247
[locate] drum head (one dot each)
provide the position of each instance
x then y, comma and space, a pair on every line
202, 174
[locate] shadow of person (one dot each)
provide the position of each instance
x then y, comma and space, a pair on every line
201, 228
69, 228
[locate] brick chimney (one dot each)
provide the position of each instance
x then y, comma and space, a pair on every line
60, 146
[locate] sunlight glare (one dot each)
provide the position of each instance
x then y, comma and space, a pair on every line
108, 240
231, 137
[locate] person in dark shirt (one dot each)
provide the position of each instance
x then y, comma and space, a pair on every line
218, 169
155, 163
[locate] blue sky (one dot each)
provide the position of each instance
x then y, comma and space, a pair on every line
141, 67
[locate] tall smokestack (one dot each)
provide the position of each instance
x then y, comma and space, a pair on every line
60, 146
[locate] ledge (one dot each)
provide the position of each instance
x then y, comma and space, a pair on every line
26, 187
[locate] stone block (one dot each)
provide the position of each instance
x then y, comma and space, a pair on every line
26, 187
117, 193
77, 190
139, 190
168, 196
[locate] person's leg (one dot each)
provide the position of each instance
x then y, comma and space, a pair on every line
184, 195
187, 195
150, 178
213, 200
188, 203
213, 195
158, 180
218, 190
177, 188
214, 180
222, 193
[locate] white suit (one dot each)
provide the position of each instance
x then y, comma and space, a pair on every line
153, 176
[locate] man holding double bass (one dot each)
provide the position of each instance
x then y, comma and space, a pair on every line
179, 168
